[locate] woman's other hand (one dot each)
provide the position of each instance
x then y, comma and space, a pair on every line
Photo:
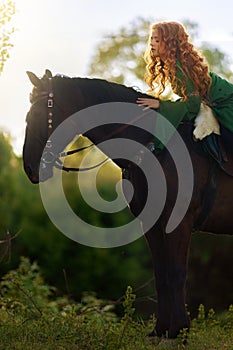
148, 103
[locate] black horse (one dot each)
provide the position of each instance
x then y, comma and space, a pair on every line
54, 99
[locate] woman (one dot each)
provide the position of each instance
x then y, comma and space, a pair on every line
172, 60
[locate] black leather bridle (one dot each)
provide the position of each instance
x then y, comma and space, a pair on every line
49, 157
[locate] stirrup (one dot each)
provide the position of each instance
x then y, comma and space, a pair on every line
212, 146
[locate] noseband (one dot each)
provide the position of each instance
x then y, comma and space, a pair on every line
48, 156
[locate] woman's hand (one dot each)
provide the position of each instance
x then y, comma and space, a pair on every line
148, 103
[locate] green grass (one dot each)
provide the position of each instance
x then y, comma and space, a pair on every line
33, 318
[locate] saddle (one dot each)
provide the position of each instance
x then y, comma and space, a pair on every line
221, 151
207, 131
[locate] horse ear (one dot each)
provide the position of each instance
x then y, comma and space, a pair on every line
34, 80
48, 73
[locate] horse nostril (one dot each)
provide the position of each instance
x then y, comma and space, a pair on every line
27, 170
34, 180
32, 176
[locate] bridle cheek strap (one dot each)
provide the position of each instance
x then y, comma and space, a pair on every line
49, 157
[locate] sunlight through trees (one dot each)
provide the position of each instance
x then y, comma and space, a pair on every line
7, 11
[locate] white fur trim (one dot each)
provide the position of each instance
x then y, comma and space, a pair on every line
205, 123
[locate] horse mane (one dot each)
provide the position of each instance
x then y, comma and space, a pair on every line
97, 84
81, 93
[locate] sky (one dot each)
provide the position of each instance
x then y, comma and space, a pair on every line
62, 35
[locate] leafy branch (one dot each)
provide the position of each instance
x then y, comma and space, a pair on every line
7, 11
7, 245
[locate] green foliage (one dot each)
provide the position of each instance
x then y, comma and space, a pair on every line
211, 331
128, 303
119, 56
9, 166
33, 317
7, 10
218, 61
24, 291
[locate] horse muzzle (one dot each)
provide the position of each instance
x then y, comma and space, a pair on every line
32, 175
41, 174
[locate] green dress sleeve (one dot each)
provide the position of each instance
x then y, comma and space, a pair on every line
176, 111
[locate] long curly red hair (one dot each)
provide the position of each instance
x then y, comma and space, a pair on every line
177, 48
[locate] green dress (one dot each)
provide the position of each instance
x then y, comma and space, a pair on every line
221, 102
221, 98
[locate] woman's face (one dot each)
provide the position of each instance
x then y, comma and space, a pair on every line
157, 45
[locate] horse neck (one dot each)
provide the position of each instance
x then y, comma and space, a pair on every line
89, 98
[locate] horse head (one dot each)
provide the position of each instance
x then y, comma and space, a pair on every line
36, 134
38, 155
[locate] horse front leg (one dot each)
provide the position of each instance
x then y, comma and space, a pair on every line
170, 256
155, 239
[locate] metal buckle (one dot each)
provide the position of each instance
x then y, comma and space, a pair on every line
50, 103
48, 144
48, 157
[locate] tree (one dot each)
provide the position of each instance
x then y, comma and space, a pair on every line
218, 61
8, 166
7, 10
119, 56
